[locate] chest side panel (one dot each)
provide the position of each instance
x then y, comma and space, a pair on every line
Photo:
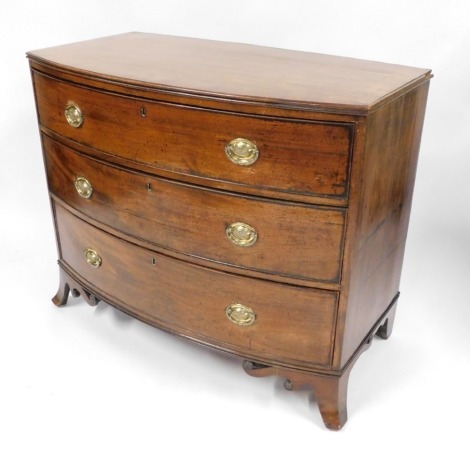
385, 173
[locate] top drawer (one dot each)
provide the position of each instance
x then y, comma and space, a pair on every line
295, 157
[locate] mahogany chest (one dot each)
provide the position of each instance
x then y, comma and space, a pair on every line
251, 199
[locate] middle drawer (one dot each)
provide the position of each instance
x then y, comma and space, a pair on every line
277, 237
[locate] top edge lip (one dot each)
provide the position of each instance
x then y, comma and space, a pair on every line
313, 106
347, 108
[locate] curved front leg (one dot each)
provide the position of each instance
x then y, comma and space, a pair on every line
330, 389
68, 284
62, 295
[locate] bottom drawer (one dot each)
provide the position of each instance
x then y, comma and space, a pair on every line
253, 318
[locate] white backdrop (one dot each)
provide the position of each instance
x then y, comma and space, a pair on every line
89, 384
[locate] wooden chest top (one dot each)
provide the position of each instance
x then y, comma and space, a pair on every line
237, 71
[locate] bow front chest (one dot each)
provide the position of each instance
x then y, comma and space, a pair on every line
251, 199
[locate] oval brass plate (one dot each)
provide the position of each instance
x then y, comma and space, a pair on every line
73, 114
92, 258
242, 151
240, 314
242, 234
83, 187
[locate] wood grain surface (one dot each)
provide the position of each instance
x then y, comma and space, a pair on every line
298, 157
238, 71
293, 325
329, 196
294, 240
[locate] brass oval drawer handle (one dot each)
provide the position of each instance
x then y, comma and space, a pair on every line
240, 314
83, 187
242, 151
73, 114
241, 234
92, 258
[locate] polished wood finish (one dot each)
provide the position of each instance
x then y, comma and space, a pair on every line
329, 196
69, 284
293, 325
330, 390
382, 202
209, 68
193, 220
168, 136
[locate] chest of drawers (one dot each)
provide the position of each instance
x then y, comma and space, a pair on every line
251, 199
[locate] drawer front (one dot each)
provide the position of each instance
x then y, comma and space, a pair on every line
293, 240
295, 157
247, 316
